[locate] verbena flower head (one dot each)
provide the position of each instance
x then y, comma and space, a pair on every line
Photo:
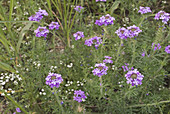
100, 70
107, 59
43, 12
38, 15
41, 32
144, 10
134, 77
167, 49
133, 31
162, 15
126, 67
79, 95
78, 8
78, 35
95, 40
101, 0
54, 80
123, 33
105, 20
156, 46
53, 25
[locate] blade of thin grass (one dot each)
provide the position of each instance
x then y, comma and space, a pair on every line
21, 35
4, 41
14, 102
65, 15
71, 13
114, 6
11, 9
58, 9
7, 67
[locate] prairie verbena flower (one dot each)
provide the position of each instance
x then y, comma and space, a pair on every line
41, 32
123, 33
78, 8
95, 40
54, 25
107, 59
162, 15
38, 15
18, 110
78, 35
134, 77
100, 70
79, 95
156, 46
133, 31
54, 80
144, 10
101, 0
167, 49
105, 20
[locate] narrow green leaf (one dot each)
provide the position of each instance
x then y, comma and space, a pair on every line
11, 9
21, 35
7, 67
114, 6
15, 103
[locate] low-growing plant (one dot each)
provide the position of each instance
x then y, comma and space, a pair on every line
91, 56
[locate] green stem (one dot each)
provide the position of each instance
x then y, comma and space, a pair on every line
141, 105
101, 86
59, 102
134, 49
14, 102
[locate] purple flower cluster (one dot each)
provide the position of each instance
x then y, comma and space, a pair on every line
101, 0
156, 46
95, 40
78, 8
125, 68
54, 25
167, 49
105, 20
79, 95
134, 77
38, 15
144, 10
41, 32
100, 70
133, 31
123, 33
78, 35
162, 15
107, 60
130, 32
54, 80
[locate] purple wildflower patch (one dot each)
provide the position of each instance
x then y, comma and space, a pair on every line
54, 80
163, 16
134, 77
54, 25
167, 49
41, 32
78, 35
38, 15
105, 20
95, 40
100, 70
79, 95
144, 10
